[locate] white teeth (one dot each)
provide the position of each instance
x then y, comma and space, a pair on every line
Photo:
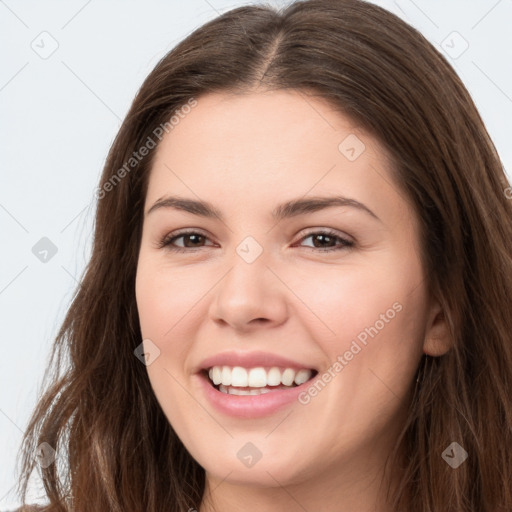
274, 377
302, 376
216, 376
226, 375
238, 377
236, 391
257, 377
288, 376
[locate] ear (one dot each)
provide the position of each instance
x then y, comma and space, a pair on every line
438, 339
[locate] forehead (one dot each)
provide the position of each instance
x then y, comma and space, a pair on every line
269, 145
289, 123
267, 134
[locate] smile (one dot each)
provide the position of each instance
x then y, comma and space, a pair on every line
253, 392
238, 380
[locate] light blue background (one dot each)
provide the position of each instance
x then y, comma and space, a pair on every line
59, 116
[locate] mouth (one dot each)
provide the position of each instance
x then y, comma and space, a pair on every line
241, 381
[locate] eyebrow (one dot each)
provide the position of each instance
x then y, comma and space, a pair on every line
286, 210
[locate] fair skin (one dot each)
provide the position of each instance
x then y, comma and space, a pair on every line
246, 155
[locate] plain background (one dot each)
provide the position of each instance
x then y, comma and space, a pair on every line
60, 112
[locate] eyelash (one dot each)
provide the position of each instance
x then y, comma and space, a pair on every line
166, 241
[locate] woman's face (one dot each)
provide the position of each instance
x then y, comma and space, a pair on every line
280, 278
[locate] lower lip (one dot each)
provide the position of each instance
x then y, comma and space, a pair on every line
250, 406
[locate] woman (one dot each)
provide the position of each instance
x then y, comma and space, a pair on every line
217, 361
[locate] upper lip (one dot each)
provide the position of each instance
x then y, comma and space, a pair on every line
250, 360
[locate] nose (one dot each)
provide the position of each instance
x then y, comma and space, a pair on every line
249, 296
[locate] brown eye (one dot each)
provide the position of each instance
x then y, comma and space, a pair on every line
328, 241
191, 240
194, 239
323, 241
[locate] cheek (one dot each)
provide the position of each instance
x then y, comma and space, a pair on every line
161, 303
165, 299
373, 317
165, 307
343, 302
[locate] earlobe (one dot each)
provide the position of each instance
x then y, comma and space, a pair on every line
438, 338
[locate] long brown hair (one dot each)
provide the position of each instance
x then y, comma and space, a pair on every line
116, 449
